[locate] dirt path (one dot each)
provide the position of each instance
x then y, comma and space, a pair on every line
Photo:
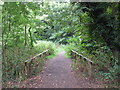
57, 73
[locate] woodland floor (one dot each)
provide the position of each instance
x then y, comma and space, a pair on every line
58, 73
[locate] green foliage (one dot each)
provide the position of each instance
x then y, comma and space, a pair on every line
42, 45
97, 36
91, 29
18, 24
14, 59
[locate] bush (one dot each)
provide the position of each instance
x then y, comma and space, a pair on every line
105, 64
13, 63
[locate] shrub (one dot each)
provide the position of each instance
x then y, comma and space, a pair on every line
13, 63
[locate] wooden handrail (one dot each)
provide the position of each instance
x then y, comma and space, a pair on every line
29, 63
82, 56
36, 56
89, 62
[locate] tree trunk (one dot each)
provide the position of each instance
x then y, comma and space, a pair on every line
9, 29
25, 36
31, 39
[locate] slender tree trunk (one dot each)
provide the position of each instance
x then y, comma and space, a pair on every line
3, 20
25, 36
9, 29
31, 39
3, 29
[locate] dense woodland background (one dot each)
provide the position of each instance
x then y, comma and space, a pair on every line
92, 29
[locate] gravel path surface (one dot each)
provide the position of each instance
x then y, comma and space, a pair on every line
57, 73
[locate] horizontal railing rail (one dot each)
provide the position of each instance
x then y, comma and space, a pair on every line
82, 56
37, 55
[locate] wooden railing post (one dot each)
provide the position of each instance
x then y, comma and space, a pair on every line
89, 69
71, 53
25, 68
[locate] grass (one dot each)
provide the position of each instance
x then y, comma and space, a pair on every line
59, 49
67, 55
50, 56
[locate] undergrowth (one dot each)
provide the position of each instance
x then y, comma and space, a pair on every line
14, 57
105, 66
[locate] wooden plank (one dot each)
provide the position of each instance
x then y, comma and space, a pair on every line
89, 69
82, 56
37, 55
